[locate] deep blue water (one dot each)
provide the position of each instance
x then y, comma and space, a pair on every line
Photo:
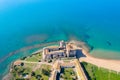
30, 22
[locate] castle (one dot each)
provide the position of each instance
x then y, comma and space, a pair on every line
63, 50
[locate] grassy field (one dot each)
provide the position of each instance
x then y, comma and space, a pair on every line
69, 74
34, 58
18, 71
42, 73
95, 73
32, 71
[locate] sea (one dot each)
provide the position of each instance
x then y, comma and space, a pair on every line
25, 25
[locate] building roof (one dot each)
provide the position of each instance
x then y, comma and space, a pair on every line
69, 47
46, 50
54, 52
17, 62
80, 71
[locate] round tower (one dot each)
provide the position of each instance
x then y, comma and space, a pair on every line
68, 48
62, 44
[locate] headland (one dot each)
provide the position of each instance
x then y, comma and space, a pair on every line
58, 62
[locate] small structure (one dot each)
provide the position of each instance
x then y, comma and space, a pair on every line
25, 76
17, 63
62, 44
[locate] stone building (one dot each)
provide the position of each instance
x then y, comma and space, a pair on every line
70, 51
60, 51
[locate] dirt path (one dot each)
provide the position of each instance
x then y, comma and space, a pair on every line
34, 62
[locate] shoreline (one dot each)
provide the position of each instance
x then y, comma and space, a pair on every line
87, 53
105, 54
44, 44
25, 49
109, 64
21, 50
100, 62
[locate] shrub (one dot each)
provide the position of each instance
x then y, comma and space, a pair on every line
22, 64
23, 58
33, 74
45, 72
38, 77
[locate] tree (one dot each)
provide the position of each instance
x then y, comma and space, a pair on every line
39, 61
45, 72
33, 73
22, 64
61, 75
23, 58
38, 77
50, 61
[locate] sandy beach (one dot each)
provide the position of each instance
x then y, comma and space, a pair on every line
110, 64
104, 63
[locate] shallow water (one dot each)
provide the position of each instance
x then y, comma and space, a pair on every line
30, 22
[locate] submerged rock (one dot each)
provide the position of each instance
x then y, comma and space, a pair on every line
109, 43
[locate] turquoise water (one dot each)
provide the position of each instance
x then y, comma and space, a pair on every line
25, 23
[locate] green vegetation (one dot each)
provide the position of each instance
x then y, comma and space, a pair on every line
38, 55
44, 71
26, 72
95, 73
34, 58
68, 74
23, 58
31, 71
19, 72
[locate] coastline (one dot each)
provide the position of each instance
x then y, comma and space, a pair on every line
86, 51
110, 64
22, 50
101, 62
26, 48
106, 54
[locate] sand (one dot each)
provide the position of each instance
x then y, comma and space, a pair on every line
107, 54
104, 63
